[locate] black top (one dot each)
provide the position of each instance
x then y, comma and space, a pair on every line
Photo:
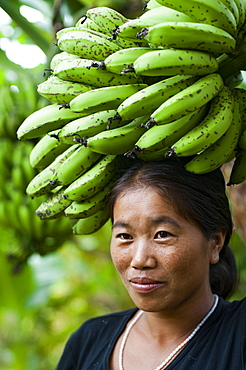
220, 344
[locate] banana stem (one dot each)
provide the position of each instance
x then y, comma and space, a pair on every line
232, 63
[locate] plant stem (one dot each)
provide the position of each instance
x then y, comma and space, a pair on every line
231, 63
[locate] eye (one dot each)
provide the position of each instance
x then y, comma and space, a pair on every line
124, 236
162, 234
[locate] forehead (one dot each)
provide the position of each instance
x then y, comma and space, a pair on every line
142, 198
151, 211
139, 199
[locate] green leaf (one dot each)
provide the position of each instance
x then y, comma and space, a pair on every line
38, 38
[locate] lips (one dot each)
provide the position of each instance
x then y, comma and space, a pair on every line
144, 284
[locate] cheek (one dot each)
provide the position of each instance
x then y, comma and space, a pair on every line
176, 264
179, 265
187, 261
120, 258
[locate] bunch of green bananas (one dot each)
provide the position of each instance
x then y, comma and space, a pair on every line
17, 210
147, 87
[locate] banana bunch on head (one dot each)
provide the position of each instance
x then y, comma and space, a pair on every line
149, 88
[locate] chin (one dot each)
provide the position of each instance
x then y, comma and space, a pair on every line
148, 306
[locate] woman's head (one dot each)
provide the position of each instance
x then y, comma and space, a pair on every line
200, 199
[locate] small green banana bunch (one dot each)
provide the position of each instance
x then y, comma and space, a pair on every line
149, 87
17, 210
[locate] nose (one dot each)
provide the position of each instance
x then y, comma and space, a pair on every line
143, 256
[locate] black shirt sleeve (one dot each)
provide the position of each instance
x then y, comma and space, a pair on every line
67, 360
90, 346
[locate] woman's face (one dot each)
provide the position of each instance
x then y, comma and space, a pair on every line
162, 258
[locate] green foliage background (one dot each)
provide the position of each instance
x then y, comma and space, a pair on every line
47, 293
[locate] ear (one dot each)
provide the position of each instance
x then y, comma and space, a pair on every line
216, 245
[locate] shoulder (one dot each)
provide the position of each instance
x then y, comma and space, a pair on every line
235, 305
101, 325
110, 318
93, 341
234, 311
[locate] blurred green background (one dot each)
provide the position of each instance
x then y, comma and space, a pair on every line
51, 280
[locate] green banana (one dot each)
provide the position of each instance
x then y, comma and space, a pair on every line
85, 22
26, 221
94, 179
148, 99
60, 91
65, 30
214, 125
61, 226
11, 213
16, 174
89, 206
118, 140
218, 153
169, 62
241, 96
129, 30
7, 146
77, 130
46, 150
165, 14
84, 30
9, 112
119, 60
28, 171
159, 137
232, 6
27, 98
53, 206
238, 172
242, 141
87, 45
148, 156
212, 12
125, 43
44, 120
106, 18
79, 70
41, 183
91, 224
186, 35
20, 170
242, 13
105, 98
80, 161
150, 18
20, 216
59, 57
187, 100
27, 95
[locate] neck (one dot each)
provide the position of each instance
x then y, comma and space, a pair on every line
170, 325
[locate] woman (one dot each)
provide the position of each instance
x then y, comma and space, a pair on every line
169, 243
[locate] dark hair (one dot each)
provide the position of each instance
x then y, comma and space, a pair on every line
200, 198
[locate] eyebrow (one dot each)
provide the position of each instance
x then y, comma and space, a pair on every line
153, 222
